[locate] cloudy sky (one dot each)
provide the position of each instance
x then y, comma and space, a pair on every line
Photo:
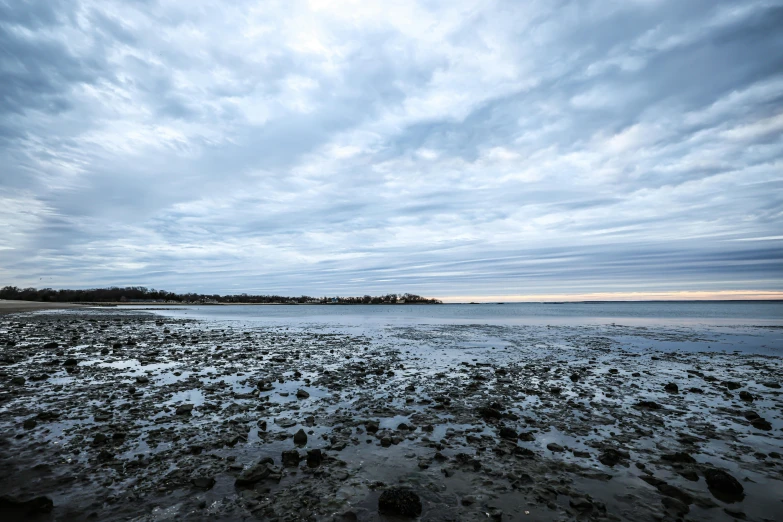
456, 149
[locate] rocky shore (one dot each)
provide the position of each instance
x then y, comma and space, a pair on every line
117, 415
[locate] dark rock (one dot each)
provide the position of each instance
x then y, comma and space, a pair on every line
18, 381
648, 405
253, 474
751, 415
675, 506
508, 433
302, 394
527, 436
314, 458
689, 474
680, 457
142, 379
203, 482
723, 486
557, 448
300, 438
671, 388
675, 492
761, 424
574, 377
291, 458
105, 455
70, 362
732, 385
610, 457
400, 501
371, 426
30, 424
51, 345
746, 396
490, 413
771, 384
13, 509
581, 504
184, 409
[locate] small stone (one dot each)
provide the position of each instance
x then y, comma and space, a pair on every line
557, 448
203, 482
142, 379
671, 388
400, 501
574, 377
291, 458
314, 458
70, 362
184, 409
490, 413
300, 438
302, 394
761, 424
675, 506
105, 455
723, 486
30, 424
610, 457
386, 442
253, 474
508, 433
746, 396
680, 457
18, 381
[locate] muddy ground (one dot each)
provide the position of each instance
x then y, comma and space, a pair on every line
116, 415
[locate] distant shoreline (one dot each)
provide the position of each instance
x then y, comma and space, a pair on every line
16, 306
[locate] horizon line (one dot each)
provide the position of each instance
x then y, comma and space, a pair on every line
684, 295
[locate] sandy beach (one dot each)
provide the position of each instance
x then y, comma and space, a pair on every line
124, 415
11, 307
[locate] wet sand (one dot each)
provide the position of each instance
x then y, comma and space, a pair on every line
13, 307
118, 415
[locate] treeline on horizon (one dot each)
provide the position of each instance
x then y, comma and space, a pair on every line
138, 293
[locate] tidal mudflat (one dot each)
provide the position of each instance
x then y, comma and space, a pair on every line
126, 415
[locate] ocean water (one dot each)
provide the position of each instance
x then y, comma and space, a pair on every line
716, 313
747, 327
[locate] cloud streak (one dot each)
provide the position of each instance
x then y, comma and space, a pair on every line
464, 149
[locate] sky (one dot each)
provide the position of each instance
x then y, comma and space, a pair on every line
467, 150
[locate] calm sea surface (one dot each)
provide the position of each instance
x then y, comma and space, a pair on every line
716, 313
